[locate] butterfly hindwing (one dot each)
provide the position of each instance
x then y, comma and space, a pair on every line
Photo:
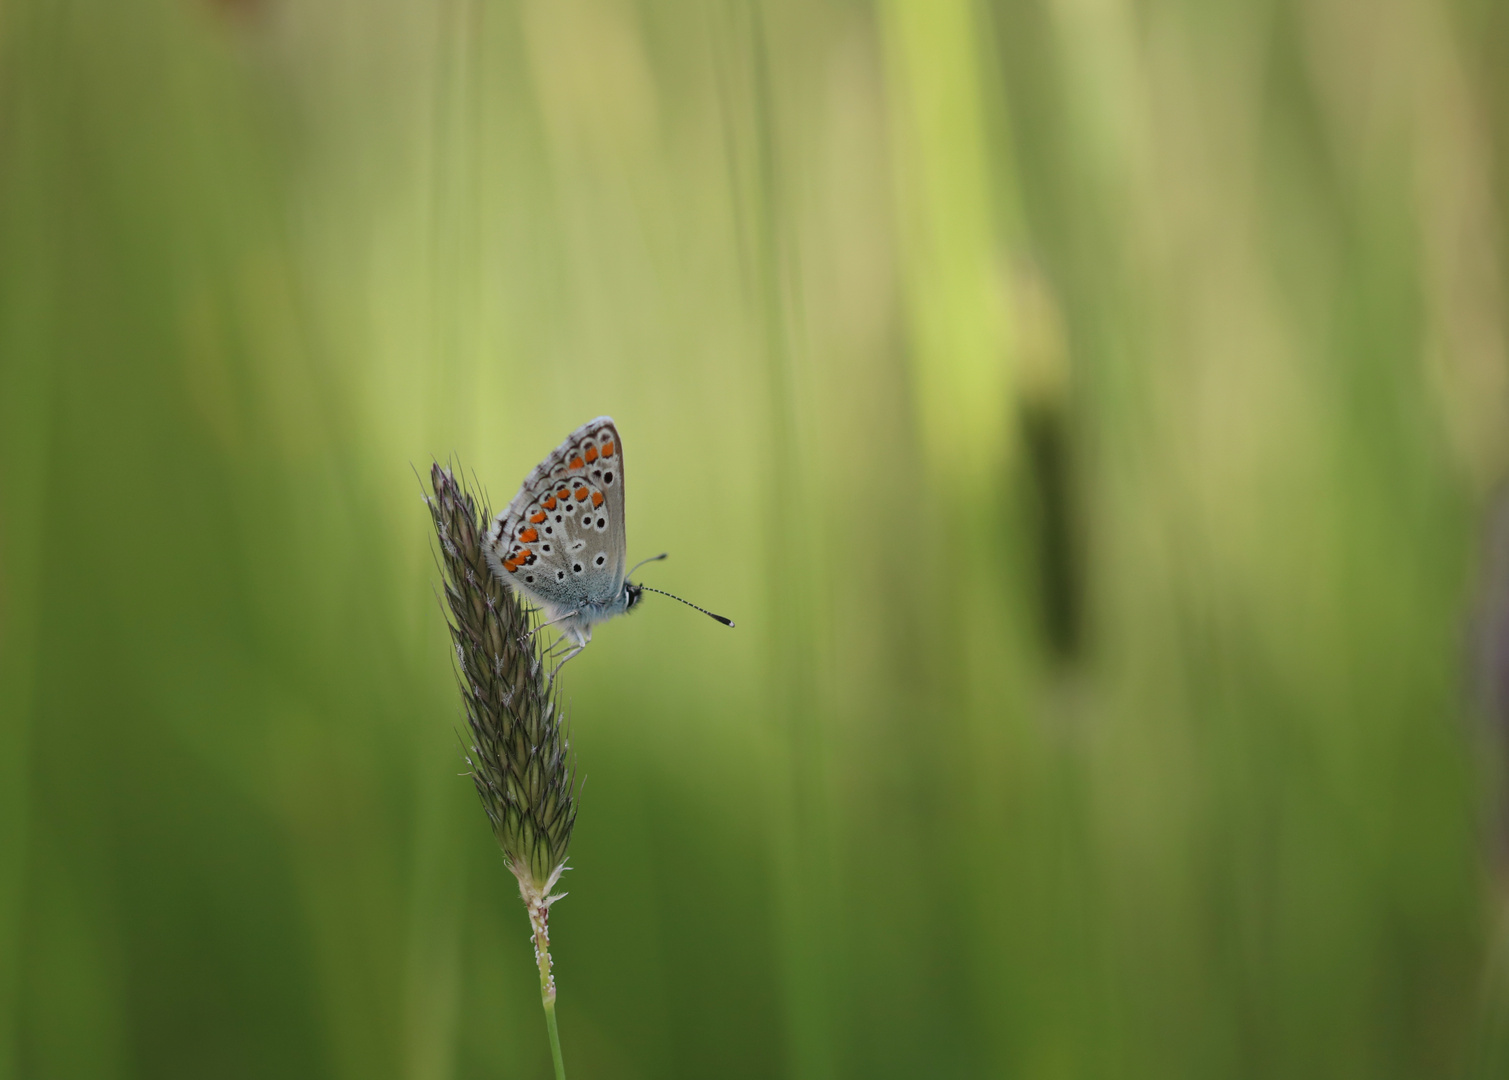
561, 542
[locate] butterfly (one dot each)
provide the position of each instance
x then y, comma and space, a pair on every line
561, 543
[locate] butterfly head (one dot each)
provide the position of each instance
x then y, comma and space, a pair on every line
634, 594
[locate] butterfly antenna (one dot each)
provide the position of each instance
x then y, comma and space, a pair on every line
652, 558
688, 603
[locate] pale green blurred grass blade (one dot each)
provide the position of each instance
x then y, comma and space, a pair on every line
798, 793
28, 287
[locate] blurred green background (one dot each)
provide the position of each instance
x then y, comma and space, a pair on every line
1086, 408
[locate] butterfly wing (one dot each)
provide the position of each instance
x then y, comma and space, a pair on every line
561, 542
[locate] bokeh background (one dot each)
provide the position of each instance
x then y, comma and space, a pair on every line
1091, 411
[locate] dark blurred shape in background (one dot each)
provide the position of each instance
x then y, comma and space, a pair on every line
1491, 667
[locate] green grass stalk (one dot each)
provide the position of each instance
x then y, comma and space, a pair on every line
518, 751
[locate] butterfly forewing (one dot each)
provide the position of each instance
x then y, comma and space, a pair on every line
561, 541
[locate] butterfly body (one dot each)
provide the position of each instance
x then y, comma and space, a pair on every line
561, 541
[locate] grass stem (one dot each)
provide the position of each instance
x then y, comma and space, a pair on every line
539, 920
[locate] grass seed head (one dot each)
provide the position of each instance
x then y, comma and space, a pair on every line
518, 753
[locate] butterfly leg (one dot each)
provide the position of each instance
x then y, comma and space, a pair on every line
558, 618
559, 645
563, 660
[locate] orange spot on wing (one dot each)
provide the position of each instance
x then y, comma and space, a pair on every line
607, 449
537, 517
563, 494
577, 463
597, 498
581, 494
529, 536
549, 502
591, 454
